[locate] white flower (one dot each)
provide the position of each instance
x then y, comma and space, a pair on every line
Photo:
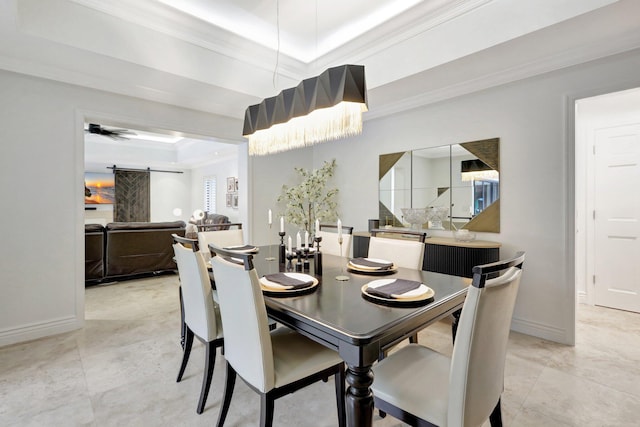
311, 199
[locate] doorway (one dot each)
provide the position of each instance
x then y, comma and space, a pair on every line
607, 200
173, 164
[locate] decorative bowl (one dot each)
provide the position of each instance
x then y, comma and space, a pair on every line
416, 217
437, 214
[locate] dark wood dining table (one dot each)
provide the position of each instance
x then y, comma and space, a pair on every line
337, 316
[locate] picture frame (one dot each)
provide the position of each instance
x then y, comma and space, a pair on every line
99, 188
234, 201
231, 184
229, 199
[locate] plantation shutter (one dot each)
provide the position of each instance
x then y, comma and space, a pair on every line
210, 194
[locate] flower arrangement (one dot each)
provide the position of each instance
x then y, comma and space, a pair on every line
311, 198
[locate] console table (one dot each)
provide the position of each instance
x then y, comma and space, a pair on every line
443, 254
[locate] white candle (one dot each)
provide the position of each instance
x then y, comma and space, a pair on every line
339, 229
306, 238
270, 222
298, 243
289, 245
317, 227
282, 224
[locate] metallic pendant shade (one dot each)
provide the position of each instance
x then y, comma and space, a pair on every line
321, 108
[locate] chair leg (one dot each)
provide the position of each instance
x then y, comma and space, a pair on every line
454, 325
413, 339
183, 326
185, 354
495, 419
210, 361
266, 410
339, 379
230, 382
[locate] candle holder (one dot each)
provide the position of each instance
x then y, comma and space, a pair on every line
299, 260
281, 249
305, 264
317, 257
270, 257
342, 277
289, 263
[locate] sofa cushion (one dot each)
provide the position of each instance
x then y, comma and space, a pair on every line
140, 247
93, 228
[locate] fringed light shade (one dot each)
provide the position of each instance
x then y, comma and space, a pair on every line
475, 170
321, 108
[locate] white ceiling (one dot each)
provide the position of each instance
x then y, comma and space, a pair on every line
221, 56
306, 30
153, 150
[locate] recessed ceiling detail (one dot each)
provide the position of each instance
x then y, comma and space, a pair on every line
201, 54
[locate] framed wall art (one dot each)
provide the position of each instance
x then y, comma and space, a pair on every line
99, 188
231, 184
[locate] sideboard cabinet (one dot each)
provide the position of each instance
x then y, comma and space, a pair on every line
444, 254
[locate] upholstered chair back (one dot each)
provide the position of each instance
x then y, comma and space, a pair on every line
247, 343
219, 238
330, 245
200, 311
403, 253
476, 378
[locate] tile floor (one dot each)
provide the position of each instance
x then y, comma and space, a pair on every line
120, 371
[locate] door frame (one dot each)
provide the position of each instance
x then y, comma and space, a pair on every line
584, 230
83, 116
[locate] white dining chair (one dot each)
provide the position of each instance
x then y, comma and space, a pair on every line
199, 309
275, 363
221, 238
403, 248
424, 388
329, 243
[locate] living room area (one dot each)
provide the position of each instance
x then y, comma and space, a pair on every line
141, 186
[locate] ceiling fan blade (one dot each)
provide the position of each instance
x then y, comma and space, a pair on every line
115, 133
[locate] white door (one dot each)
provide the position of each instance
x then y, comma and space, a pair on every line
617, 217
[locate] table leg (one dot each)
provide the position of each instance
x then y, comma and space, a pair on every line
359, 400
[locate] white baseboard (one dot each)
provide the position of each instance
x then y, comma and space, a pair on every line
540, 330
582, 298
39, 330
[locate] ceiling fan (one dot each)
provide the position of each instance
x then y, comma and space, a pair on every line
114, 133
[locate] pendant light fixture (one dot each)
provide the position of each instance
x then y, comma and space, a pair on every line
475, 170
322, 108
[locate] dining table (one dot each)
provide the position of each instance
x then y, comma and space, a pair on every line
337, 316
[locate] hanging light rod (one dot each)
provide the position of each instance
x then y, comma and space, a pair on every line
321, 108
114, 167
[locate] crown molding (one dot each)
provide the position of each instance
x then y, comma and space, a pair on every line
164, 19
500, 74
417, 20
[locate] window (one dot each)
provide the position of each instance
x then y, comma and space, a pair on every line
485, 192
209, 194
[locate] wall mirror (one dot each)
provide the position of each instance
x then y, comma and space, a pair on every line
459, 184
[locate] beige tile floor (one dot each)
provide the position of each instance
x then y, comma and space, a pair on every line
120, 371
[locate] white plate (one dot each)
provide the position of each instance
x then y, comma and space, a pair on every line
421, 291
239, 248
277, 286
366, 267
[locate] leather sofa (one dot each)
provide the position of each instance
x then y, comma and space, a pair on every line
93, 252
132, 249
